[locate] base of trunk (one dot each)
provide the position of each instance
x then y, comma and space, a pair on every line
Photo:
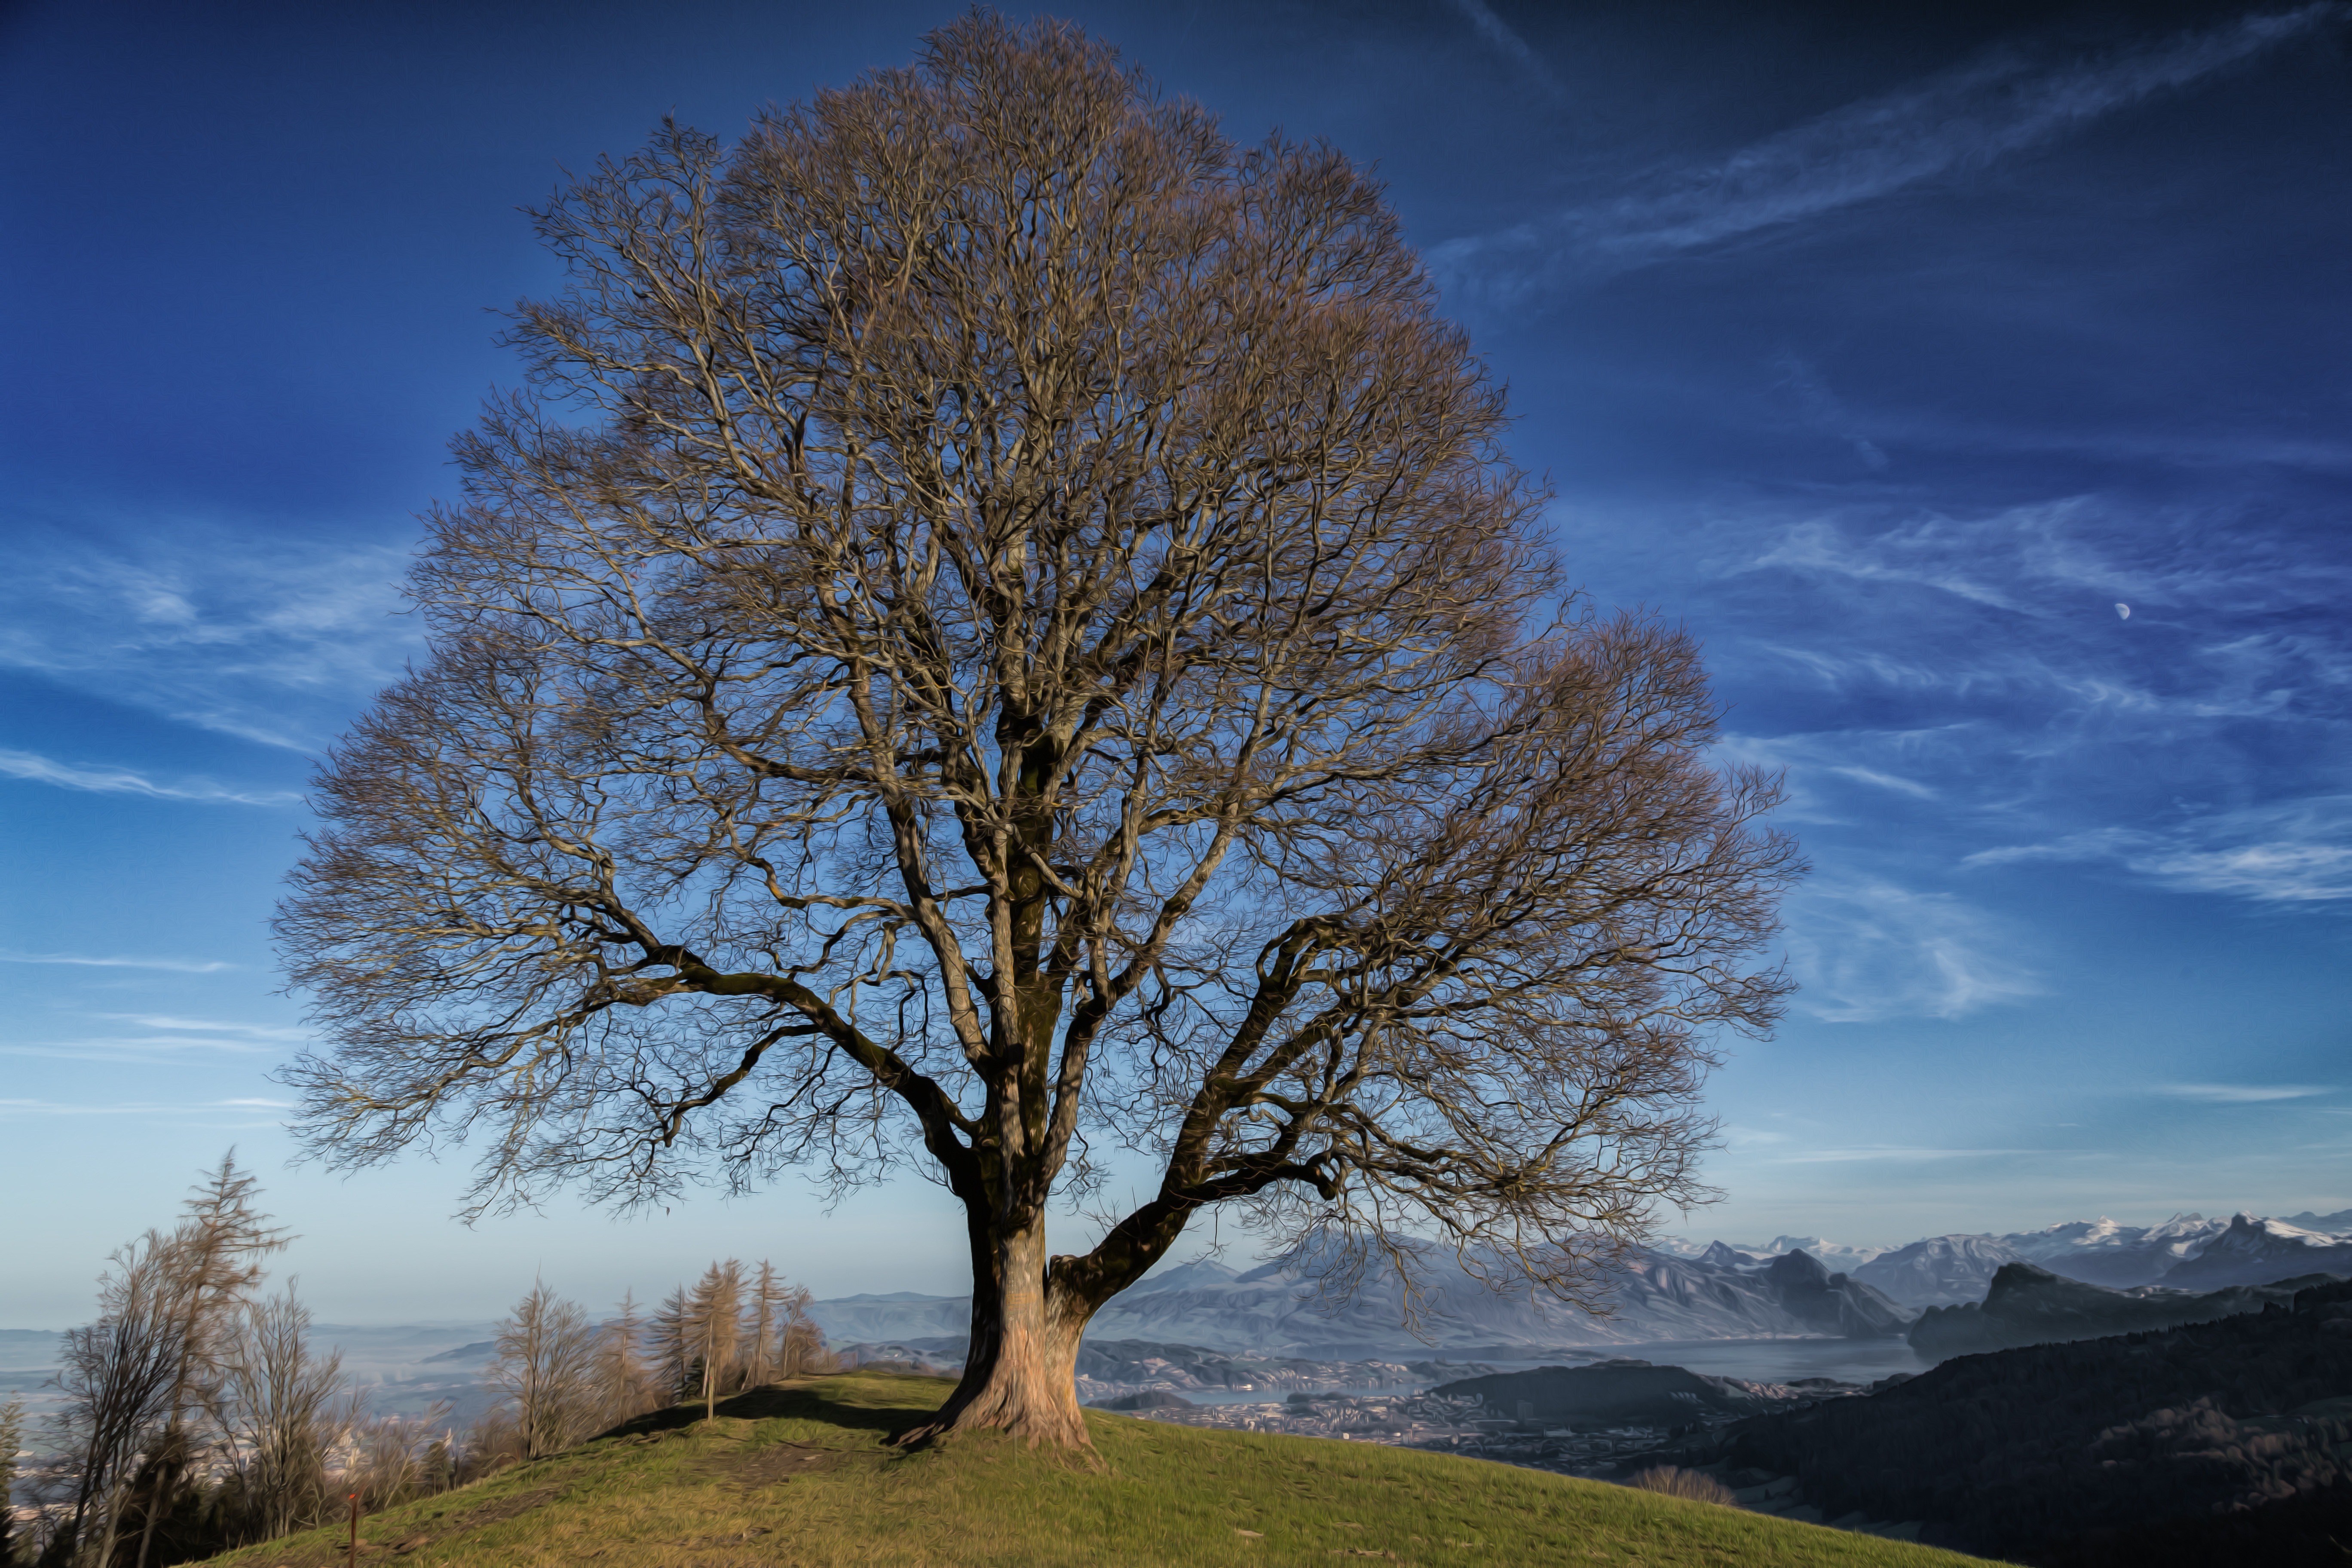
1021, 1381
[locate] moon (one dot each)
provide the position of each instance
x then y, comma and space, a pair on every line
2123, 612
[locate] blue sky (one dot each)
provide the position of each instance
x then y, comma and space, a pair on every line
1897, 355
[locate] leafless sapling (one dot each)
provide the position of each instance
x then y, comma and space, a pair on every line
275, 1405
545, 1369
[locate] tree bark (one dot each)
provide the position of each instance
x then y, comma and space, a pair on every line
1020, 1373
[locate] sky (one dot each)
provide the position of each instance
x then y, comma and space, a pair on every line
1972, 381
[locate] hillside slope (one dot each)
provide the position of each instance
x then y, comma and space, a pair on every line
2045, 1453
806, 1475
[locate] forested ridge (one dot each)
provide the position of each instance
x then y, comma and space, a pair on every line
2042, 1453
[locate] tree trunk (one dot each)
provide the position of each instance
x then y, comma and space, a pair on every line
1020, 1373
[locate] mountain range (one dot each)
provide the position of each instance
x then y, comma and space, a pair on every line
2186, 1252
1275, 1311
1677, 1291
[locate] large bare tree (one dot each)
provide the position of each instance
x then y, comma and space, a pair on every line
1003, 633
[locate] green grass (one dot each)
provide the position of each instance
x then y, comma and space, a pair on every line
805, 1474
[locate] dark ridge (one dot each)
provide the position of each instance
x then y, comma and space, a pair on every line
2063, 1453
1611, 1394
2030, 1306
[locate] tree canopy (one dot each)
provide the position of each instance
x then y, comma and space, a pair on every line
1000, 633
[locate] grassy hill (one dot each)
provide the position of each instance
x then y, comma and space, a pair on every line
806, 1475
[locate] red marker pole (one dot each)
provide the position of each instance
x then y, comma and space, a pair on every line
355, 1531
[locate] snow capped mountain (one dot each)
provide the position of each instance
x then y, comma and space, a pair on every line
2102, 1252
1679, 1290
1273, 1311
1836, 1257
1205, 1272
1941, 1271
2335, 1224
2253, 1251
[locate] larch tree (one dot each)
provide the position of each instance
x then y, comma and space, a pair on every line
214, 1257
624, 1382
714, 1331
1002, 634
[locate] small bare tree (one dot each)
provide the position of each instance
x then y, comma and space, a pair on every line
116, 1384
624, 1384
1030, 645
275, 1408
779, 1340
545, 1367
800, 1348
387, 1459
12, 1441
215, 1262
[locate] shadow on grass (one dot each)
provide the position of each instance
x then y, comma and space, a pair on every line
818, 1400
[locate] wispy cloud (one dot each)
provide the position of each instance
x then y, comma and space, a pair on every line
2290, 852
267, 639
1960, 120
34, 768
2241, 1093
164, 1038
1866, 951
1499, 34
207, 1026
1880, 758
1879, 1151
167, 965
176, 1109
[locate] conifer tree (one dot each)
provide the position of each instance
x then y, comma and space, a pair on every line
622, 1379
673, 1363
714, 1326
759, 1326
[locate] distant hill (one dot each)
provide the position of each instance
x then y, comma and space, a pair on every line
1611, 1394
2030, 1306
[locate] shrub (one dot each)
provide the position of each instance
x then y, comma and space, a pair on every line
1677, 1482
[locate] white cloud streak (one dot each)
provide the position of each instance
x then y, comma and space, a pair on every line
207, 1026
166, 966
1498, 33
1961, 120
1894, 1152
33, 768
165, 1038
143, 1108
2290, 852
2239, 1093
